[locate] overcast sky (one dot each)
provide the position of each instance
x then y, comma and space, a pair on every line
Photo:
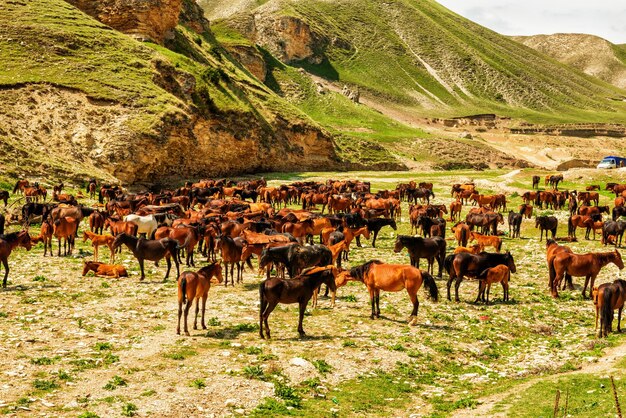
605, 18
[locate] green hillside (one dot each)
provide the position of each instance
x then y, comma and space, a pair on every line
418, 55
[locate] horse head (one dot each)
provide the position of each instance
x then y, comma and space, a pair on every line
399, 245
511, 262
617, 260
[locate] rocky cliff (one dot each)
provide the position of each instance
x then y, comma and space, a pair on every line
144, 19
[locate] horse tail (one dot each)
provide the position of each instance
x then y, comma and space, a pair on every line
183, 288
499, 246
262, 304
249, 263
17, 185
606, 311
463, 237
570, 226
431, 286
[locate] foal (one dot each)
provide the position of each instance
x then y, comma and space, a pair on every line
193, 286
497, 274
97, 241
104, 270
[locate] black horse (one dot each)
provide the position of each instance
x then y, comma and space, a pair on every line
300, 257
618, 211
428, 248
472, 265
36, 209
245, 194
615, 228
375, 225
515, 224
546, 223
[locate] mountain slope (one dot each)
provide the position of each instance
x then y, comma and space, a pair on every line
79, 99
590, 54
423, 58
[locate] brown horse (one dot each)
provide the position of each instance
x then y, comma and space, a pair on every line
152, 250
20, 186
583, 265
297, 290
552, 249
97, 241
461, 233
486, 241
231, 254
8, 243
606, 298
104, 270
195, 286
455, 210
45, 236
378, 276
497, 274
65, 229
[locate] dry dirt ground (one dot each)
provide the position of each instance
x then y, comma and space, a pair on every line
75, 346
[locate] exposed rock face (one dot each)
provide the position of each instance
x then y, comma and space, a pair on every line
192, 16
82, 135
288, 38
144, 19
250, 58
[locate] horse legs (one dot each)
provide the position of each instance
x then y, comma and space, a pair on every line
481, 289
59, 253
301, 317
377, 303
266, 314
187, 307
169, 266
456, 288
619, 319
195, 319
373, 302
143, 276
416, 304
374, 239
95, 252
180, 313
5, 263
232, 270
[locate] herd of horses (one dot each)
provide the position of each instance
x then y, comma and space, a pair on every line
246, 219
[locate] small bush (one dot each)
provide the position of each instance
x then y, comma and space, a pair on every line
198, 384
253, 372
45, 385
129, 410
39, 278
114, 383
322, 366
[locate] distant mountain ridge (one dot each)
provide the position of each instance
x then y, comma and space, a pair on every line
588, 53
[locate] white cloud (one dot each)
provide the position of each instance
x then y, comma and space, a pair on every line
603, 18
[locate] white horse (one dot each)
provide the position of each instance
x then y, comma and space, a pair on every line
145, 224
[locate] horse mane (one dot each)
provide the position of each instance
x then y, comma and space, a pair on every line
358, 271
10, 237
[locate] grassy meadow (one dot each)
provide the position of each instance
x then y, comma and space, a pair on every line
87, 346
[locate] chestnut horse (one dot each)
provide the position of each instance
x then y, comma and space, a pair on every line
607, 297
497, 274
297, 290
583, 265
45, 236
8, 243
486, 241
552, 249
104, 270
378, 276
195, 286
97, 241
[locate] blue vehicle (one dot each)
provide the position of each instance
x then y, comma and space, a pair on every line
612, 162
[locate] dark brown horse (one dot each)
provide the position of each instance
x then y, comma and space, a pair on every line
297, 290
583, 265
429, 248
469, 265
8, 243
4, 196
536, 180
195, 286
546, 223
607, 297
152, 250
